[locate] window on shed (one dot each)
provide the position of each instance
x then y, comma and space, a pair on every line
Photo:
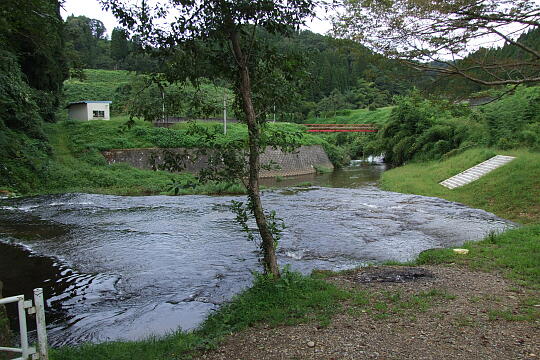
99, 113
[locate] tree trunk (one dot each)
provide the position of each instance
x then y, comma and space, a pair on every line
254, 132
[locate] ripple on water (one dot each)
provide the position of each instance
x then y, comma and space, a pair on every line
127, 267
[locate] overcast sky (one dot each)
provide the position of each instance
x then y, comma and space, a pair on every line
92, 9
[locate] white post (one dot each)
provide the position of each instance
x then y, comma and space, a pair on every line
274, 112
163, 104
41, 324
224, 113
22, 328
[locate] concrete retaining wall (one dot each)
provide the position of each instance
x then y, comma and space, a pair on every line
300, 162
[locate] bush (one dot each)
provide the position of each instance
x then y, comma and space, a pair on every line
420, 130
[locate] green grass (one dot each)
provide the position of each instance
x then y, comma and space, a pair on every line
99, 85
77, 165
515, 252
323, 169
120, 86
359, 116
291, 300
382, 305
105, 135
511, 191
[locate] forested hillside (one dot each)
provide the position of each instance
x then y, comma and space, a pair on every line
89, 45
460, 88
340, 74
32, 71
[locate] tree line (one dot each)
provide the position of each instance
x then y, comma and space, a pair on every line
87, 46
342, 73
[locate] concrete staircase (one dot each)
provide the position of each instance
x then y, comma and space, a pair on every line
476, 172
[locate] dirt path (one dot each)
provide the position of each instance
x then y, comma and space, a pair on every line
456, 314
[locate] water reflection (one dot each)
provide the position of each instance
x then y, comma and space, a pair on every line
359, 174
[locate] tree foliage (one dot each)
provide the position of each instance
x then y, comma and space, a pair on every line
419, 129
32, 69
119, 45
438, 35
32, 31
219, 39
87, 46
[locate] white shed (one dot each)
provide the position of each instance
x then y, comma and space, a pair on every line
89, 110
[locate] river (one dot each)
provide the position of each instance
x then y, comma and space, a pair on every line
116, 267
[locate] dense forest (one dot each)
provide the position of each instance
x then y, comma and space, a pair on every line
33, 67
342, 74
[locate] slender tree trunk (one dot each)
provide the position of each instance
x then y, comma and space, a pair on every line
254, 131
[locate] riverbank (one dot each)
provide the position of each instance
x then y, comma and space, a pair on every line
511, 191
484, 304
73, 160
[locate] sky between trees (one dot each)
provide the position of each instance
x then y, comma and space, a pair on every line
92, 9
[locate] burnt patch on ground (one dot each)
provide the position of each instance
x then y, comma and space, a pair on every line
386, 274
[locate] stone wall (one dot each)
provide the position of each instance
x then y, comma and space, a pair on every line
302, 161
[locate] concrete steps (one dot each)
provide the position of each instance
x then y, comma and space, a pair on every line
476, 172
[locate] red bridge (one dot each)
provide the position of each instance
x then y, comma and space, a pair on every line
341, 128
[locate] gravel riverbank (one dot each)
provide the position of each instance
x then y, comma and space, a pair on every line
455, 314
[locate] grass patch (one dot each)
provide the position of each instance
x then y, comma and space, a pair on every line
523, 314
511, 191
113, 134
359, 116
382, 305
76, 163
516, 252
323, 169
291, 300
99, 85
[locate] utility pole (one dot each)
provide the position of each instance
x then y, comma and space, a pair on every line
162, 102
224, 113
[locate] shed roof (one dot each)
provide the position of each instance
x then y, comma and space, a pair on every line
88, 102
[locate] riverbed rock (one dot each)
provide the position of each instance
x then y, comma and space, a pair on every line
384, 274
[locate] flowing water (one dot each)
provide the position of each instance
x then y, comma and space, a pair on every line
117, 267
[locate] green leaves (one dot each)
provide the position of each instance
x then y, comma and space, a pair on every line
244, 215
